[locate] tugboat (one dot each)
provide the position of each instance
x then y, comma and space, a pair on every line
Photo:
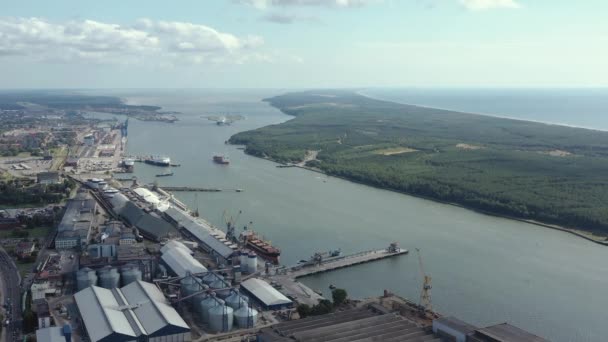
263, 248
221, 159
168, 174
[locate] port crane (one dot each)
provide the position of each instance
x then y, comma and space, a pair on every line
231, 224
425, 294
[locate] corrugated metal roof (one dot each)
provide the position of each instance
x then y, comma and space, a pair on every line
137, 309
147, 195
50, 334
264, 292
202, 230
174, 244
508, 333
181, 262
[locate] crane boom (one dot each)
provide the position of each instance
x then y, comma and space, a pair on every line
425, 294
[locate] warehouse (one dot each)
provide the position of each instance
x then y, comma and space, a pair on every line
179, 259
211, 239
150, 226
267, 296
75, 227
138, 311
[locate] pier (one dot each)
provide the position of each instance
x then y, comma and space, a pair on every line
345, 261
199, 189
286, 277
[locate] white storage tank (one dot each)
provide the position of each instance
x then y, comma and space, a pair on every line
221, 318
85, 277
208, 303
236, 300
109, 277
129, 274
189, 287
199, 297
252, 262
246, 317
243, 261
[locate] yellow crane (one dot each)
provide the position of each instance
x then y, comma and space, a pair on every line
425, 294
231, 224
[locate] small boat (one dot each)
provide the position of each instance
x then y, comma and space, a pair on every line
165, 174
239, 190
221, 159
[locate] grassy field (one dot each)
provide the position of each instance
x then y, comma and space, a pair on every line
38, 232
552, 174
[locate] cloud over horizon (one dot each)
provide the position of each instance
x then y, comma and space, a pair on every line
287, 3
155, 41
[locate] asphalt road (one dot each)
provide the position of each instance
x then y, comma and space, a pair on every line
12, 296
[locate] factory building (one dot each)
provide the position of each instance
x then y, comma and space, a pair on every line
503, 333
75, 227
210, 239
148, 224
452, 329
179, 259
266, 295
54, 334
136, 312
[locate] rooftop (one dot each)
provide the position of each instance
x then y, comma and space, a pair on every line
507, 333
264, 292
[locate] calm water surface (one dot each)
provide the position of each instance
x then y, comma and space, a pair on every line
485, 270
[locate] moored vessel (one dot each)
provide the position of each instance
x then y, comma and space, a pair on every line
261, 247
158, 161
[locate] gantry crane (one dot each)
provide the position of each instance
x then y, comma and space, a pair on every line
425, 294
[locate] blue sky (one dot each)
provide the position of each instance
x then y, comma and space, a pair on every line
303, 43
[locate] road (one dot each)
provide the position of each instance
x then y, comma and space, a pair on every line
11, 291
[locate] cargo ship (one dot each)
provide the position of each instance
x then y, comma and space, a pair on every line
221, 159
158, 161
262, 248
168, 174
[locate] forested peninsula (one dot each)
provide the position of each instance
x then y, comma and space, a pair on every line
526, 170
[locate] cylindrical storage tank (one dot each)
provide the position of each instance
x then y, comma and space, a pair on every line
85, 277
221, 288
246, 317
130, 274
198, 298
189, 286
236, 300
220, 318
252, 262
243, 261
109, 278
207, 304
211, 277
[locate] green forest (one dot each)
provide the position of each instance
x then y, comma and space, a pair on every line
548, 173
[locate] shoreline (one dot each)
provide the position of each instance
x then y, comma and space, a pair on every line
577, 232
497, 116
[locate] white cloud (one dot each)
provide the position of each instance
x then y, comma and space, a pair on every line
326, 3
479, 5
149, 41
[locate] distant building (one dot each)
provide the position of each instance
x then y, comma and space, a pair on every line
75, 227
89, 140
51, 177
266, 295
72, 162
25, 249
54, 334
7, 223
43, 312
452, 329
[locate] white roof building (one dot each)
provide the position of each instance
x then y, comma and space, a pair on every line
180, 260
268, 296
130, 313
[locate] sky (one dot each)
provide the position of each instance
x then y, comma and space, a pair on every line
303, 43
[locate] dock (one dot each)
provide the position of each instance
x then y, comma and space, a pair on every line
286, 277
345, 261
197, 189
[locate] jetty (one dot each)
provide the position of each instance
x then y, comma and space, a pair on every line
285, 278
199, 189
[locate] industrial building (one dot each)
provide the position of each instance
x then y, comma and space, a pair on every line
179, 259
452, 329
503, 333
138, 311
210, 239
54, 334
266, 295
147, 223
75, 227
360, 324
